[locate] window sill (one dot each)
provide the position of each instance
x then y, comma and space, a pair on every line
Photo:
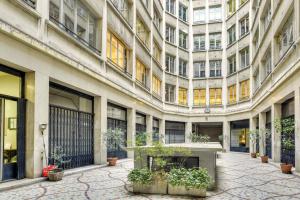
199, 50
185, 22
143, 44
199, 23
171, 14
199, 106
232, 74
183, 77
142, 85
27, 8
215, 49
183, 49
231, 44
170, 43
156, 96
214, 21
199, 78
170, 73
244, 35
119, 14
215, 77
119, 70
244, 68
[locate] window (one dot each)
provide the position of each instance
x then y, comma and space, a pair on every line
182, 96
215, 13
215, 96
200, 97
214, 41
146, 3
231, 7
156, 52
267, 64
170, 6
232, 64
199, 15
156, 85
141, 72
123, 7
170, 93
286, 38
244, 90
199, 42
31, 3
256, 79
182, 12
170, 63
142, 32
182, 67
116, 51
231, 35
267, 17
170, 34
244, 25
183, 39
199, 69
80, 24
244, 57
232, 94
215, 68
156, 19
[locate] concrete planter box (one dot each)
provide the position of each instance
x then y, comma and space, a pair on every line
182, 190
157, 187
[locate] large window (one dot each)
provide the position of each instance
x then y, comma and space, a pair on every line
183, 39
215, 96
267, 17
267, 63
215, 13
174, 132
182, 96
256, 79
199, 15
244, 90
231, 7
244, 26
244, 54
156, 85
232, 94
170, 93
182, 12
170, 63
199, 42
170, 34
123, 7
231, 35
215, 68
182, 67
156, 19
77, 20
170, 6
286, 37
200, 97
156, 52
142, 32
214, 41
31, 3
116, 51
232, 64
199, 69
141, 72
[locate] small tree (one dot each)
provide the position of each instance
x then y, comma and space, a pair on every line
58, 157
254, 135
114, 140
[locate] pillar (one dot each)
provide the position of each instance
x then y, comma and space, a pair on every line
149, 128
162, 131
297, 129
131, 130
262, 136
100, 128
188, 131
226, 135
37, 95
253, 128
276, 136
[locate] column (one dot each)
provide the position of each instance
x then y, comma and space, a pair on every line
262, 136
37, 95
297, 130
162, 128
276, 136
149, 128
226, 135
131, 130
100, 128
188, 131
253, 128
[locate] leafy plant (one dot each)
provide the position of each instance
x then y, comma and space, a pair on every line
176, 177
288, 143
199, 138
114, 139
141, 176
58, 156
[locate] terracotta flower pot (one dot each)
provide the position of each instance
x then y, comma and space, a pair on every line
55, 174
286, 168
253, 155
264, 159
112, 161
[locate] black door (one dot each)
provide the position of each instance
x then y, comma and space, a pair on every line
72, 131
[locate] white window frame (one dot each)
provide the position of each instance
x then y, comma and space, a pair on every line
183, 42
183, 12
215, 68
232, 64
170, 63
199, 15
231, 35
215, 13
244, 26
182, 67
170, 93
170, 34
244, 55
171, 6
199, 69
217, 43
199, 42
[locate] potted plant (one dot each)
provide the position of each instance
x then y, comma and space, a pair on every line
286, 127
192, 182
199, 138
253, 137
263, 134
57, 173
114, 140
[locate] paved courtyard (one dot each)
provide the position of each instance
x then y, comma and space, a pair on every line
239, 177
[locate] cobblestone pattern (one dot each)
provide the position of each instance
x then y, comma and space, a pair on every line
238, 177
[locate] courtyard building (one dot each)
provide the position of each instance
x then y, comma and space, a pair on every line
72, 69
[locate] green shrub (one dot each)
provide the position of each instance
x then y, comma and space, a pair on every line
140, 176
176, 177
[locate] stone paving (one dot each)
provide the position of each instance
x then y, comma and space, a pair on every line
239, 177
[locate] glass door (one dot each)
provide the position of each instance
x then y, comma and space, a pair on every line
9, 110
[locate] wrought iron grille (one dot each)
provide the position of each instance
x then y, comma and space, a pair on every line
269, 141
72, 131
288, 154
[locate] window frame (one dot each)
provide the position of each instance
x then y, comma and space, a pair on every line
201, 69
216, 69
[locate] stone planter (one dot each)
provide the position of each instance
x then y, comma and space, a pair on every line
182, 190
159, 186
